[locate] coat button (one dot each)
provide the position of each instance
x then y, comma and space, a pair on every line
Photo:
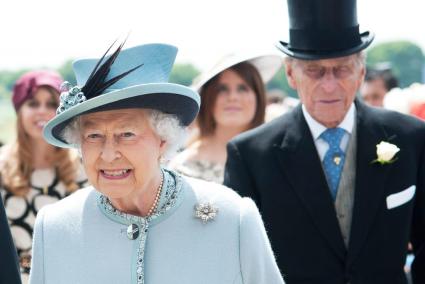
133, 231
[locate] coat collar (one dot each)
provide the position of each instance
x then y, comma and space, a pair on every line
371, 178
171, 197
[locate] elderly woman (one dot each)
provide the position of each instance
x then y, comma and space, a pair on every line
141, 223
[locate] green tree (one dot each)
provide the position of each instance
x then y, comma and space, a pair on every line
183, 74
4, 93
8, 78
180, 74
280, 82
66, 72
406, 59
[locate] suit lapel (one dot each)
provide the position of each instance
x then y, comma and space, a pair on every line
301, 165
370, 180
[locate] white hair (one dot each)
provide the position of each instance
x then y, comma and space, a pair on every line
166, 126
361, 58
169, 129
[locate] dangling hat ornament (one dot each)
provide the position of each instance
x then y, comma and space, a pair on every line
70, 96
136, 77
320, 29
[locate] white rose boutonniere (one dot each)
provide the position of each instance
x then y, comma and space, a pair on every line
385, 153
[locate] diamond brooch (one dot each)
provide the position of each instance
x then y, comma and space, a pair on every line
70, 96
206, 212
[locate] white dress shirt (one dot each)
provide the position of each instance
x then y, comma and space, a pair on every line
317, 129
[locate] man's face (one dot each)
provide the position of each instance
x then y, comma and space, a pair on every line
326, 87
373, 92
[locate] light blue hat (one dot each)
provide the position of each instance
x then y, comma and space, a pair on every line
138, 78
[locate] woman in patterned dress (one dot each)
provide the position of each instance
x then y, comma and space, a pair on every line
140, 222
34, 173
233, 101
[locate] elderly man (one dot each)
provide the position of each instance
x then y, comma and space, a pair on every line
341, 186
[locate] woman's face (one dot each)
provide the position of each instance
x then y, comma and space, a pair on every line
120, 151
37, 111
236, 103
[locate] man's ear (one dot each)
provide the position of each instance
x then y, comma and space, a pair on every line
361, 77
289, 70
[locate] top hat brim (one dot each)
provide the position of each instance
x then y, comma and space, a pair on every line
366, 39
181, 101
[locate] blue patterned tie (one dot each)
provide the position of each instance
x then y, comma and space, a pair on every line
333, 161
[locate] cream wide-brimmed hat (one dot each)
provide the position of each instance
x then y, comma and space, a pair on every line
267, 64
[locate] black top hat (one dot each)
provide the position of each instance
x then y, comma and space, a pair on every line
320, 29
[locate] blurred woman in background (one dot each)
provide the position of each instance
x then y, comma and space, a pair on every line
233, 100
34, 173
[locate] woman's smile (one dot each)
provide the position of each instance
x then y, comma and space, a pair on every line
41, 123
115, 174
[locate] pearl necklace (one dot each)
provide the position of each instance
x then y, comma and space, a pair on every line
156, 200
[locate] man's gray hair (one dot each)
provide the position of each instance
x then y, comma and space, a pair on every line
360, 58
166, 126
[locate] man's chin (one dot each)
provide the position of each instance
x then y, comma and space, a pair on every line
331, 121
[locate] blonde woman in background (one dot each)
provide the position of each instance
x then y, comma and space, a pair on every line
34, 173
233, 100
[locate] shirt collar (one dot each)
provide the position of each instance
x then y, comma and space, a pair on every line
317, 129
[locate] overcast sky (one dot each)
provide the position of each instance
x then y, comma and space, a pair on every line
45, 33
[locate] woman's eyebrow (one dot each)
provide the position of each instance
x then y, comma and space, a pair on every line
89, 123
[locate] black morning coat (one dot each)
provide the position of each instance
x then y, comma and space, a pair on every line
9, 269
278, 166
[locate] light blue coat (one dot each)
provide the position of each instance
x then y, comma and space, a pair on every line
81, 240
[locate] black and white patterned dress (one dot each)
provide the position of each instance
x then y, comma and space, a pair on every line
21, 211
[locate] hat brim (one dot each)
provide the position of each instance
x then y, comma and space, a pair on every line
366, 39
267, 65
178, 100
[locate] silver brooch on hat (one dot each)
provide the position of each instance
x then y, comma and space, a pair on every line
206, 212
70, 96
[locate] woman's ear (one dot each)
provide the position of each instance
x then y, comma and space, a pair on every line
162, 149
162, 146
